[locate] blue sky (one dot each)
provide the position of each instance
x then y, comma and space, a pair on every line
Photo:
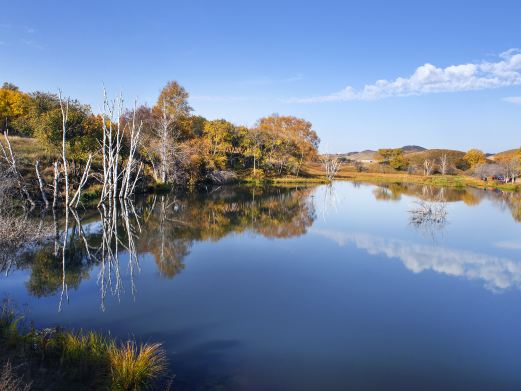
321, 60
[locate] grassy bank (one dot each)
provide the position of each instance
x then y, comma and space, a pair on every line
433, 180
316, 171
66, 360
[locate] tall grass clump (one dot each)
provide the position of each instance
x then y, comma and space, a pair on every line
70, 359
135, 367
83, 353
9, 323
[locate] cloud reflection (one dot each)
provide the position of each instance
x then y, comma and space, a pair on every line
497, 273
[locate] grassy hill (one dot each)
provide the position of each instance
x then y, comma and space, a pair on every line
418, 158
504, 155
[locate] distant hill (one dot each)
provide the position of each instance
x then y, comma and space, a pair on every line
412, 148
504, 155
370, 155
363, 155
434, 154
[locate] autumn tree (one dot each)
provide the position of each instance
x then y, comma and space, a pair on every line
291, 140
170, 110
474, 157
394, 157
13, 105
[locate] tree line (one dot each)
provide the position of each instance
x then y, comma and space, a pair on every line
165, 143
474, 161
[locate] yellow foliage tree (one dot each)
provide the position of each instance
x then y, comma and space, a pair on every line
475, 157
13, 104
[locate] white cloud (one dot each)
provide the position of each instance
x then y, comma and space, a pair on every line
426, 79
513, 99
497, 273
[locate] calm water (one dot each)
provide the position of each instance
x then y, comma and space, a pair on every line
342, 288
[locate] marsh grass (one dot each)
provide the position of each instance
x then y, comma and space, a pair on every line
87, 360
133, 366
9, 324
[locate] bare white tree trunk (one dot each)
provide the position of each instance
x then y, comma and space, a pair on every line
168, 135
444, 164
11, 161
41, 184
127, 188
76, 198
113, 132
65, 116
331, 164
55, 184
428, 166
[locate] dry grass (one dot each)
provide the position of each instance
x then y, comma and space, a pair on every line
348, 173
89, 359
133, 367
30, 149
9, 381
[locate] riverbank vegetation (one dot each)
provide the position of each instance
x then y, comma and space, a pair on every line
53, 358
55, 150
437, 167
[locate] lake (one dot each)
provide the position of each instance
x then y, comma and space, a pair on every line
350, 286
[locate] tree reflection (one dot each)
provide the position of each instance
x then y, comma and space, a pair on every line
503, 199
111, 241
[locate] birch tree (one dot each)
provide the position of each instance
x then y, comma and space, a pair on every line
64, 107
428, 167
172, 105
331, 165
444, 164
10, 159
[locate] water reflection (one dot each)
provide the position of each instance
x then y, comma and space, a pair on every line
497, 273
506, 200
113, 239
430, 216
164, 226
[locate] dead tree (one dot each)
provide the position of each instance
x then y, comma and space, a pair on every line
119, 181
10, 158
56, 182
41, 184
73, 203
65, 116
428, 167
132, 164
444, 164
331, 164
76, 198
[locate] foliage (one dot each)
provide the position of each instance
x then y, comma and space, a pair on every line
13, 105
394, 157
285, 142
175, 98
474, 157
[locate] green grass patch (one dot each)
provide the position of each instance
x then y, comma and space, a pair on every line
78, 360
